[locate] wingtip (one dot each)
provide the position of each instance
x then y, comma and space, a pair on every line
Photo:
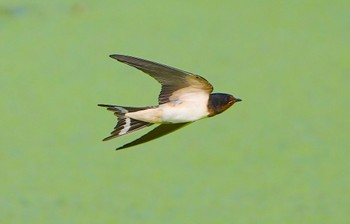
116, 56
124, 146
120, 147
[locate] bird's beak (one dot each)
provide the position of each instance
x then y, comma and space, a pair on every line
237, 100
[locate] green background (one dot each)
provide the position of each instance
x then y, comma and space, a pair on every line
279, 156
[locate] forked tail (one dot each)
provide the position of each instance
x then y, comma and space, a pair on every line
125, 125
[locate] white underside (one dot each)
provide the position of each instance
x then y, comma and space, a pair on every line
188, 107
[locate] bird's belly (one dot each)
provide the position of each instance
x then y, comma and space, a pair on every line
188, 107
184, 112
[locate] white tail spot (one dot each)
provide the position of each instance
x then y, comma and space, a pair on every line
126, 126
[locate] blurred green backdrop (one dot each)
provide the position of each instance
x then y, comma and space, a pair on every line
280, 156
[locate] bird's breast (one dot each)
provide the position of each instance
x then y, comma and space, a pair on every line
185, 109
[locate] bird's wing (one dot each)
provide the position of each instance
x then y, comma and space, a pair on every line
171, 79
157, 132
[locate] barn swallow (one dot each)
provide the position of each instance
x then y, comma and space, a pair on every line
184, 98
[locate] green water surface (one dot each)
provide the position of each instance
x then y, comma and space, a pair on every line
279, 156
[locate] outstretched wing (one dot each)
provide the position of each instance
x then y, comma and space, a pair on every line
171, 79
159, 131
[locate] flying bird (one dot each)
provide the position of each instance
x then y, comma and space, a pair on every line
184, 98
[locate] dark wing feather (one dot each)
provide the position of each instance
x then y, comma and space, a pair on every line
159, 131
171, 79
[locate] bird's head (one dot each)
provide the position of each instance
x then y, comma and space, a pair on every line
219, 102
